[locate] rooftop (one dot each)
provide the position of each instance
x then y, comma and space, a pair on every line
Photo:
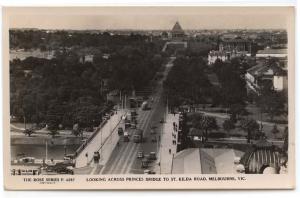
263, 68
272, 51
205, 161
177, 28
262, 155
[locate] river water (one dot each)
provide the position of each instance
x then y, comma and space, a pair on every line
39, 151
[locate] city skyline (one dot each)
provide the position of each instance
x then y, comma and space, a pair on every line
148, 18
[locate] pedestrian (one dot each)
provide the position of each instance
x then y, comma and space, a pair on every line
169, 151
174, 124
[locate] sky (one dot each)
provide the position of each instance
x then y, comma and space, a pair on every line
149, 18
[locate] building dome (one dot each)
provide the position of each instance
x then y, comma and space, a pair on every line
269, 170
177, 31
177, 28
240, 168
262, 158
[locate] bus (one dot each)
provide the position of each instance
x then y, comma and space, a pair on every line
138, 136
145, 105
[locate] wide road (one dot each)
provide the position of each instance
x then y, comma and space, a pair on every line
123, 159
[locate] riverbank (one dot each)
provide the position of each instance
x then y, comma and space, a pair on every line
40, 140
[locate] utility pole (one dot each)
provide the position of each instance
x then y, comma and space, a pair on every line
172, 163
120, 100
125, 101
101, 140
46, 151
24, 118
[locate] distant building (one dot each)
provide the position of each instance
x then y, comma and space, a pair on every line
27, 72
177, 40
105, 56
230, 48
235, 45
266, 74
206, 161
213, 56
268, 52
89, 58
177, 32
164, 35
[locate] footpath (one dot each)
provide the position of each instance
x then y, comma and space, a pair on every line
168, 145
103, 141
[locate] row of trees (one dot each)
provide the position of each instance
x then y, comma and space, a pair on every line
187, 83
206, 124
232, 90
66, 91
45, 40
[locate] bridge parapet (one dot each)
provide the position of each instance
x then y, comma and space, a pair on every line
103, 140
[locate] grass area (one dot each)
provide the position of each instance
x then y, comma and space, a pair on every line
255, 113
21, 125
238, 132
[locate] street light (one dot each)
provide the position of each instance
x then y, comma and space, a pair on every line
87, 159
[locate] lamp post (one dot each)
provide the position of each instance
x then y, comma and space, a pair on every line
87, 158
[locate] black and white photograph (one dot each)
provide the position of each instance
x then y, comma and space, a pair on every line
150, 91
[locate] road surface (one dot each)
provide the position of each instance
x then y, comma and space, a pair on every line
123, 159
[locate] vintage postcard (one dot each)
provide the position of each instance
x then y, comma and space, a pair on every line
148, 98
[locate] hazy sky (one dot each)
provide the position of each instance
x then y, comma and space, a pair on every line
148, 18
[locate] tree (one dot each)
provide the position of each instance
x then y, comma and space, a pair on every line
228, 125
233, 86
275, 130
272, 103
53, 133
237, 109
28, 132
205, 123
76, 130
285, 146
251, 127
53, 89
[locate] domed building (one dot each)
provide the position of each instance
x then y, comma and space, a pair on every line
263, 158
177, 32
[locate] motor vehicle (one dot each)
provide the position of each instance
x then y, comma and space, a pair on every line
64, 170
69, 159
145, 105
152, 156
133, 126
144, 163
149, 172
153, 139
127, 124
140, 154
133, 103
153, 127
27, 160
133, 113
126, 137
120, 131
96, 157
89, 129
